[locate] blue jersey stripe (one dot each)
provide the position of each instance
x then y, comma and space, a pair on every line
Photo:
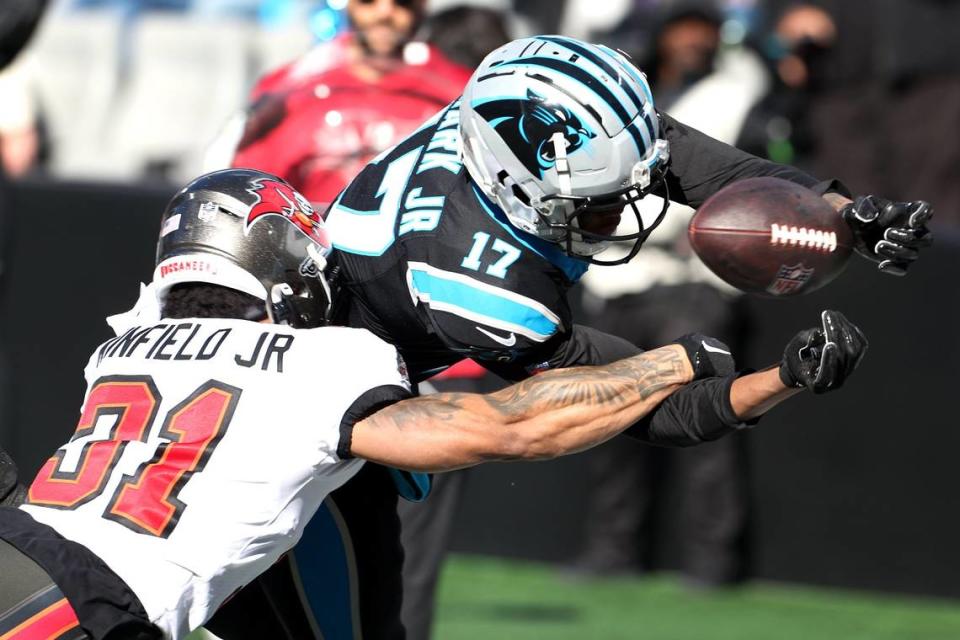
323, 562
482, 302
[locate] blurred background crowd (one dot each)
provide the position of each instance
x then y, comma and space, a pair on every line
146, 94
138, 89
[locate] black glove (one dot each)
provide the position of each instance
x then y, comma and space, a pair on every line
890, 233
822, 359
708, 356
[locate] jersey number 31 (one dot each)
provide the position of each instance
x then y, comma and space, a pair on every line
145, 501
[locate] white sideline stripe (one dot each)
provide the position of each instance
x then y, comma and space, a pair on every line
802, 236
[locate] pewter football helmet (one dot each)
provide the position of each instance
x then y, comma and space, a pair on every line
553, 128
252, 232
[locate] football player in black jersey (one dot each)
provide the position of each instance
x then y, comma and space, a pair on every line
463, 240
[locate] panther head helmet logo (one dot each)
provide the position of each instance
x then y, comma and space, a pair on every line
527, 127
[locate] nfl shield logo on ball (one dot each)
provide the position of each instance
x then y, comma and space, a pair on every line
790, 279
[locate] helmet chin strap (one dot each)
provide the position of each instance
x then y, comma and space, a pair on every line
277, 310
321, 263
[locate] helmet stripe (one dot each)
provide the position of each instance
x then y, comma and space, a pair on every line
591, 83
579, 75
639, 79
635, 131
631, 70
596, 59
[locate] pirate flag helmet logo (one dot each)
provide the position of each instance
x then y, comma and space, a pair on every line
279, 198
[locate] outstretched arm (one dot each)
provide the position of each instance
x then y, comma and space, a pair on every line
889, 233
753, 395
818, 359
552, 414
700, 166
567, 410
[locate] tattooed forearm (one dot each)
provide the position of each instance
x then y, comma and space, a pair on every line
551, 414
614, 385
440, 407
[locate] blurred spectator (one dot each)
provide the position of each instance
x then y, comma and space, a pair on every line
466, 34
890, 90
543, 15
19, 132
805, 34
584, 18
318, 120
663, 293
778, 127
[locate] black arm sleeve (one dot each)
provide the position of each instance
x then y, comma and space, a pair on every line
699, 412
363, 407
700, 166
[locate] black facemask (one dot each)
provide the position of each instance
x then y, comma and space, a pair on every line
626, 197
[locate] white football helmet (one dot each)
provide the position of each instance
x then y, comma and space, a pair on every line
552, 128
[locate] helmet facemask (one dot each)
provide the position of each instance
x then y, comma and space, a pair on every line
562, 213
311, 305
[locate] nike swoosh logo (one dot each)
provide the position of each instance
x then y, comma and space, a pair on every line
714, 349
507, 342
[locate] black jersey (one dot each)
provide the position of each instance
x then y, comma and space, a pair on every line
431, 265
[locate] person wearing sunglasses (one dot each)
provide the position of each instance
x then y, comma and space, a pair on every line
383, 27
319, 119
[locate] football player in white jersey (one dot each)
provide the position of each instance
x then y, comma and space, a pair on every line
219, 418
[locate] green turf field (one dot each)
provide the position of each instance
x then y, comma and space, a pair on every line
487, 598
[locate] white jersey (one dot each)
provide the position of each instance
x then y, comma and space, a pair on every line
203, 449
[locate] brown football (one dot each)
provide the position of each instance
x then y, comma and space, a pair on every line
771, 237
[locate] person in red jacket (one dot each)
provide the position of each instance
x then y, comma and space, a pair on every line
318, 120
